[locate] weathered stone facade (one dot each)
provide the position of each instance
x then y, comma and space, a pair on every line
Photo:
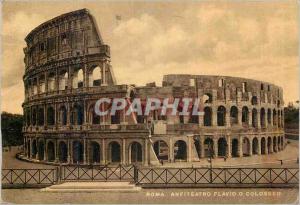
68, 69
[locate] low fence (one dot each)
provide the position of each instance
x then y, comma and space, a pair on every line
26, 178
218, 177
154, 177
97, 173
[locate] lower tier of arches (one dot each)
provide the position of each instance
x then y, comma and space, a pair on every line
144, 151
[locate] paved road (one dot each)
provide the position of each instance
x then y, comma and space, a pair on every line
155, 196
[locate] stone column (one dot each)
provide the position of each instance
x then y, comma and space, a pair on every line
45, 115
250, 150
37, 149
258, 118
69, 151
228, 139
250, 117
104, 82
215, 140
146, 152
202, 146
189, 149
214, 115
227, 117
240, 112
171, 149
84, 150
46, 82
56, 151
259, 146
103, 150
240, 146
124, 151
68, 114
85, 76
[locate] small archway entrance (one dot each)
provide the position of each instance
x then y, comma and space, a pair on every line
161, 150
222, 147
77, 152
136, 153
51, 151
180, 150
255, 146
114, 152
94, 152
62, 152
208, 147
235, 148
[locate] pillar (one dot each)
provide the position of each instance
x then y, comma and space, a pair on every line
171, 149
240, 112
37, 149
240, 144
228, 139
227, 117
259, 145
123, 151
215, 140
258, 118
69, 152
146, 152
202, 146
250, 150
104, 82
214, 115
84, 150
189, 149
45, 151
56, 151
103, 150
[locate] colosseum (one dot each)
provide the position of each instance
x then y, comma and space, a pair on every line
67, 69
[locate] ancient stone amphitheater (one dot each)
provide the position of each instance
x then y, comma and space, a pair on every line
67, 69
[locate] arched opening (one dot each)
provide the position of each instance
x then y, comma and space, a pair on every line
221, 116
235, 148
114, 152
208, 147
63, 80
274, 118
262, 118
278, 144
95, 77
269, 145
254, 118
274, 144
246, 146
180, 150
254, 100
42, 83
93, 117
222, 147
115, 119
51, 151
40, 118
50, 116
136, 153
255, 146
63, 115
161, 150
77, 152
51, 82
77, 115
77, 81
62, 152
34, 116
207, 116
95, 152
28, 149
263, 145
233, 115
245, 116
269, 116
41, 148
34, 149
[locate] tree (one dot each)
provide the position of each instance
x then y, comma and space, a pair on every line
11, 128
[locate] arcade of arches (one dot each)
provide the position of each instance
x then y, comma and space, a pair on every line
124, 151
